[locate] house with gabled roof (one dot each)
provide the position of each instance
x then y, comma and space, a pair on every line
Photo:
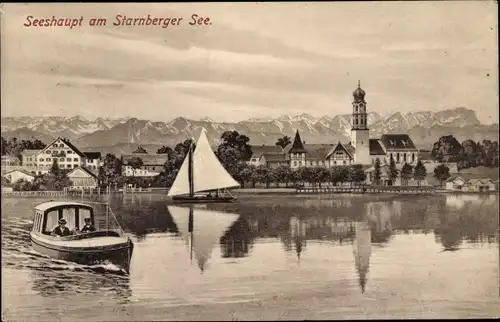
15, 175
67, 155
259, 150
455, 184
82, 178
272, 160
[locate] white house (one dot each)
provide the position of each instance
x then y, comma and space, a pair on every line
479, 185
16, 175
82, 178
454, 184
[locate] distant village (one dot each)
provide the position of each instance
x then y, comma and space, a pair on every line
379, 159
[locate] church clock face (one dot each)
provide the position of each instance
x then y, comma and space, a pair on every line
361, 105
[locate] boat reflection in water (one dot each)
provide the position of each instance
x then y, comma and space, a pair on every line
201, 229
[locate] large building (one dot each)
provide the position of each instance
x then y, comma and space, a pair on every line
360, 150
67, 155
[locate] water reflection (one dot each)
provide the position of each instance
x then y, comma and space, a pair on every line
238, 239
201, 230
362, 251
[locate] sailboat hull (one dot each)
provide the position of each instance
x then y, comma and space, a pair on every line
202, 199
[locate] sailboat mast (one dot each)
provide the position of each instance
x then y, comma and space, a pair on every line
190, 229
190, 171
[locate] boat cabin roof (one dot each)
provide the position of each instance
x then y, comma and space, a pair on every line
59, 204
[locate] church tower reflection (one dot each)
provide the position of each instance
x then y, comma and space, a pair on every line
298, 232
362, 251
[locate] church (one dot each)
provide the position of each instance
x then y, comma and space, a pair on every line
360, 150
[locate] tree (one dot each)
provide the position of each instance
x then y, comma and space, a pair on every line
245, 174
164, 150
356, 174
54, 169
111, 171
237, 141
321, 175
264, 175
284, 141
283, 174
419, 172
442, 173
446, 149
135, 163
393, 171
22, 185
140, 149
406, 173
377, 174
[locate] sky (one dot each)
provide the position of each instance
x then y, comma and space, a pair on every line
255, 60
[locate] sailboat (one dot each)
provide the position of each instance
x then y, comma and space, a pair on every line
201, 171
204, 232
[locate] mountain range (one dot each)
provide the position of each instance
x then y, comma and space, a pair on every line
122, 135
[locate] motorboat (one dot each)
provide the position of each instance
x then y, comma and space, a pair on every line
106, 243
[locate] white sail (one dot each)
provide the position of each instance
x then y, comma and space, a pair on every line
208, 172
208, 227
181, 219
181, 182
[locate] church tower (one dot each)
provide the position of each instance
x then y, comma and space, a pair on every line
360, 136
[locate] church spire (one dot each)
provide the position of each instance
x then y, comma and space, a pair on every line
297, 146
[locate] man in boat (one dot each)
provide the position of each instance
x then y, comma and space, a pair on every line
61, 230
88, 226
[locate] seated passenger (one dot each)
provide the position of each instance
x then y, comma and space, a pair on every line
88, 226
61, 230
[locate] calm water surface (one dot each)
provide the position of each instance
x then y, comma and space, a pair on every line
269, 257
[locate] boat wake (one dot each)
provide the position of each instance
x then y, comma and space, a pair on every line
17, 253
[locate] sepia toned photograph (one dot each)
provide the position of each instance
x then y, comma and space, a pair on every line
249, 161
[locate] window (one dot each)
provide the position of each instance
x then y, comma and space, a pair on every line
61, 159
294, 163
361, 142
300, 162
334, 162
48, 159
404, 157
68, 159
75, 159
397, 158
345, 162
69, 152
75, 165
41, 160
413, 157
68, 166
311, 162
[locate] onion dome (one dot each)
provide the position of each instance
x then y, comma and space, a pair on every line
359, 93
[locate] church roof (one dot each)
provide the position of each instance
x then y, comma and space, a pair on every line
317, 151
297, 146
397, 142
376, 148
273, 157
258, 150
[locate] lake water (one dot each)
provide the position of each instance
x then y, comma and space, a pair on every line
269, 257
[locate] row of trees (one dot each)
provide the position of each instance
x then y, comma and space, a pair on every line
466, 154
15, 147
233, 152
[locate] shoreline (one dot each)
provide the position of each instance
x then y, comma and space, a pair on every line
248, 191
